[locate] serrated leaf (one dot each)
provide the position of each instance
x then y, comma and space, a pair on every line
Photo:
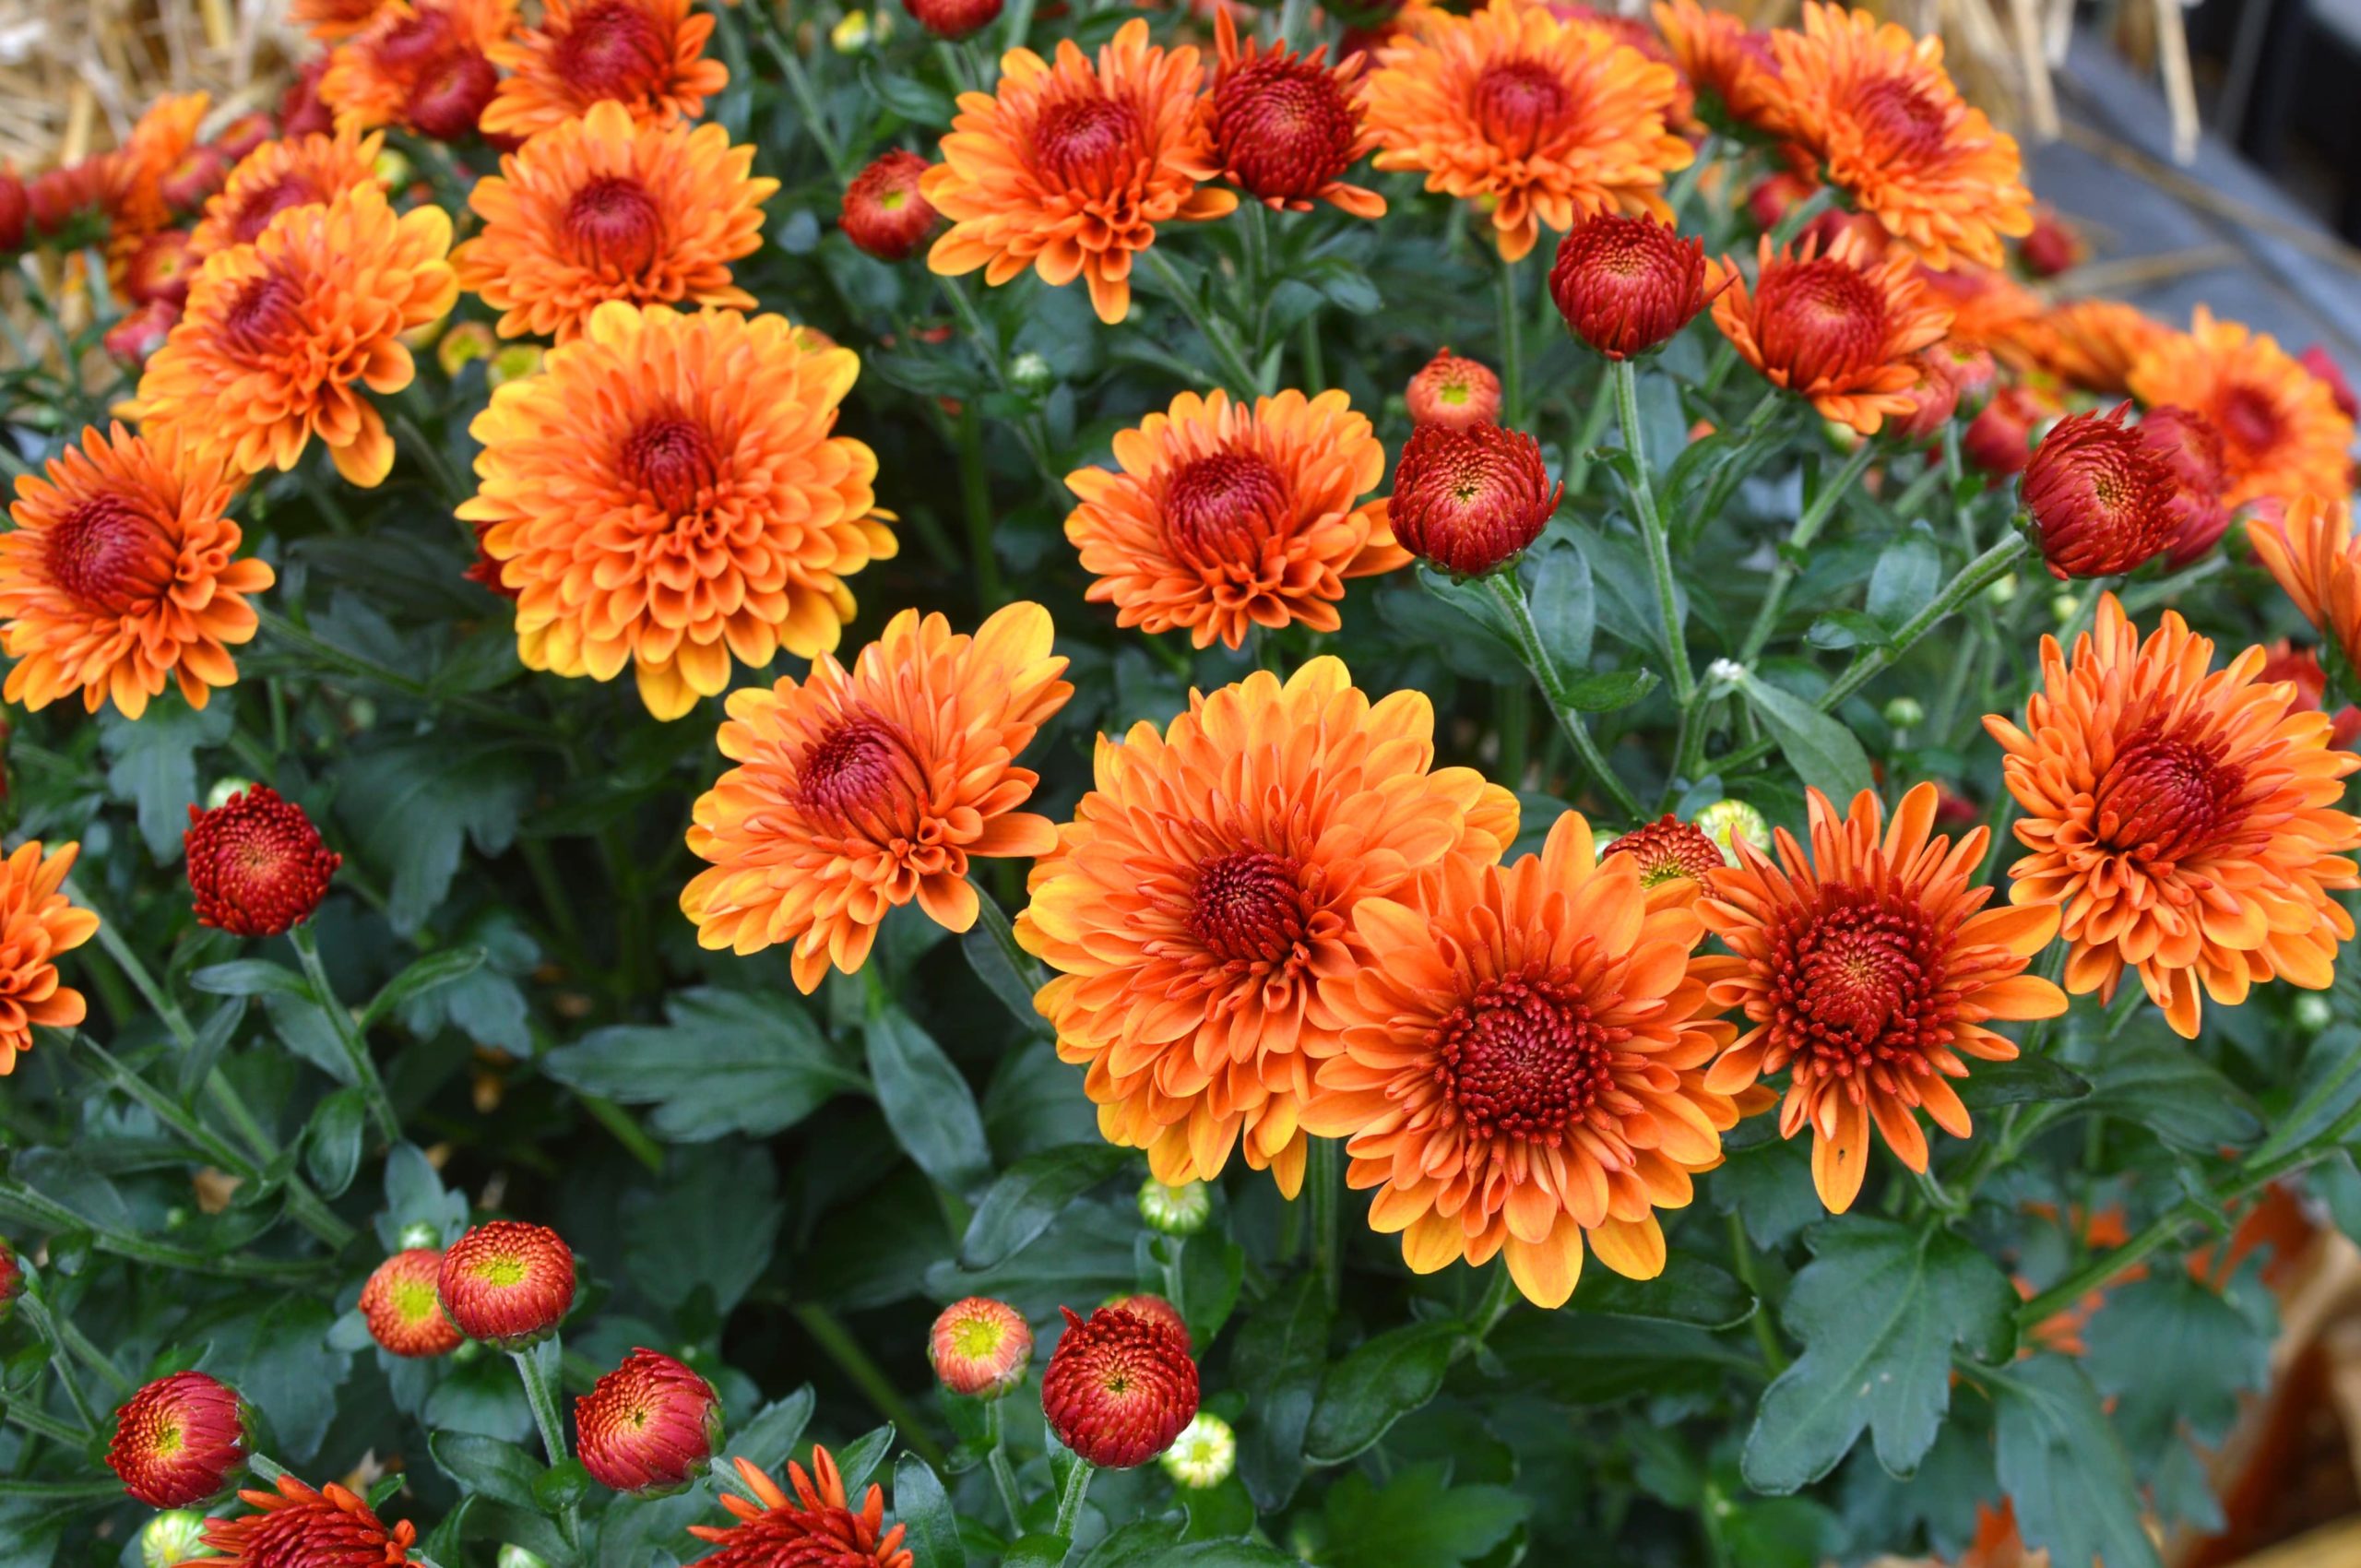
1156, 1543
1278, 1360
501, 1471
929, 1106
2025, 1080
1593, 1359
1029, 1194
151, 763
1416, 1520
1381, 1381
2059, 1464
2150, 1077
425, 974
409, 809
723, 1062
1689, 1291
1824, 753
2216, 1353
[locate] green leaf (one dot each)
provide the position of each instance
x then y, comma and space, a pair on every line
332, 1147
1846, 628
773, 1434
927, 1103
1824, 753
859, 1458
1906, 580
1346, 286
251, 977
1280, 1353
714, 1224
1877, 1309
1607, 690
2061, 1464
415, 1195
2022, 1081
723, 1062
924, 1508
1591, 1359
425, 975
409, 809
151, 763
907, 96
2150, 1077
1156, 1543
1689, 1291
1416, 1520
1040, 1549
1379, 1383
1769, 1187
2214, 1352
1558, 587
985, 956
501, 1471
280, 1360
306, 1029
1030, 1195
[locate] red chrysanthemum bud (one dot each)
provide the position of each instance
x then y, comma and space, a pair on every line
159, 269
1934, 398
2323, 368
243, 135
2105, 495
649, 1427
979, 1347
2195, 449
295, 1526
12, 1279
301, 113
450, 94
1119, 1387
1150, 1305
883, 213
16, 213
180, 1441
1626, 285
1671, 852
507, 1283
2052, 247
404, 1313
1999, 439
1286, 126
1467, 500
256, 864
1970, 369
65, 202
954, 18
1455, 392
141, 333
185, 186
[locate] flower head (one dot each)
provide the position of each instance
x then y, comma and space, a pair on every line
121, 576
980, 1348
2194, 448
16, 212
1119, 1387
419, 64
256, 864
649, 1427
815, 1528
2182, 819
648, 55
2051, 246
602, 207
2311, 553
296, 172
1454, 391
1674, 857
1206, 882
2000, 439
1070, 166
2315, 359
2090, 344
1181, 1210
1934, 397
171, 1538
856, 791
1286, 126
1534, 119
1219, 517
1204, 1455
404, 1314
331, 1528
1626, 285
954, 18
2107, 496
332, 22
37, 923
2282, 432
885, 212
301, 111
1720, 56
157, 267
1468, 501
180, 1439
1872, 104
1836, 328
507, 1283
1731, 823
665, 493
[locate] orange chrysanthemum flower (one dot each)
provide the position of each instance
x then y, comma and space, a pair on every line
1218, 519
37, 923
414, 53
330, 1529
2182, 818
859, 792
2317, 561
815, 1528
281, 336
277, 175
1836, 328
1873, 104
1990, 311
648, 55
1207, 884
1533, 119
602, 208
1518, 1060
665, 492
2282, 432
1865, 973
1720, 55
1068, 167
333, 22
135, 172
2092, 344
121, 575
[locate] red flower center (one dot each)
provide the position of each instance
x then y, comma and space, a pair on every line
1524, 1059
108, 557
451, 94
1226, 506
1819, 318
414, 42
1855, 988
1904, 123
1249, 907
1284, 127
614, 223
2165, 798
613, 51
2247, 419
255, 213
854, 770
675, 463
1518, 103
1087, 142
267, 314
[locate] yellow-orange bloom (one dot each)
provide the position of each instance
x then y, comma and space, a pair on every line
121, 574
1837, 329
283, 336
1206, 885
1533, 119
2313, 555
1720, 55
1990, 310
2282, 432
2182, 818
648, 55
2092, 344
1519, 1062
377, 75
859, 792
333, 22
37, 923
1873, 104
277, 175
1068, 166
604, 209
665, 492
1218, 518
1865, 973
162, 135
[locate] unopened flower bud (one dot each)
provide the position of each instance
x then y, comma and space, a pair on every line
1730, 822
173, 1536
851, 35
464, 344
1204, 1455
2064, 606
1031, 374
979, 1347
1905, 713
2313, 1014
1177, 1211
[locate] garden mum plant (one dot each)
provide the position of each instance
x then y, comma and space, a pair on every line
1115, 786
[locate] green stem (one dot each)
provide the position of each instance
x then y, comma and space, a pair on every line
1766, 1335
60, 1490
1807, 527
1232, 363
45, 1324
1323, 1178
799, 84
976, 500
1509, 594
1643, 500
1498, 1299
1077, 1487
348, 1034
996, 1460
1797, 216
47, 1425
833, 1337
627, 1131
1512, 349
971, 322
351, 663
447, 484
1587, 435
1020, 22
541, 1393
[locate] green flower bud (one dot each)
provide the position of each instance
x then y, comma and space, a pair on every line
2003, 588
175, 1536
420, 1234
1905, 713
1726, 821
1031, 374
2064, 606
515, 1556
1204, 1455
219, 796
1177, 1211
2313, 1014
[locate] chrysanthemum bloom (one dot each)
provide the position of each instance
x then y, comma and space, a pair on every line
859, 792
2105, 495
1068, 167
1468, 501
256, 864
648, 55
300, 112
180, 1439
277, 175
1934, 398
2301, 666
404, 1314
2000, 438
1673, 857
16, 212
157, 266
2282, 432
2315, 359
120, 575
666, 494
171, 1538
2092, 344
2051, 246
1872, 102
885, 212
1203, 1454
283, 336
2194, 448
133, 340
1119, 1387
954, 18
164, 134
1868, 968
410, 54
1218, 518
65, 201
333, 22
331, 1528
2316, 561
816, 1528
1720, 55
1454, 391
1626, 285
1535, 120
1835, 328
185, 186
2182, 819
1147, 1304
12, 1279
603, 209
980, 1348
649, 1427
507, 1283
1206, 882
1286, 126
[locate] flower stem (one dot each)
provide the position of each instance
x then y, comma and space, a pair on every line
1766, 1337
799, 83
28, 1208
1586, 433
1644, 500
1322, 1181
1512, 351
1509, 594
356, 1050
1500, 1298
1807, 527
1799, 216
1233, 364
975, 497
45, 1324
1070, 1500
996, 1460
537, 1367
